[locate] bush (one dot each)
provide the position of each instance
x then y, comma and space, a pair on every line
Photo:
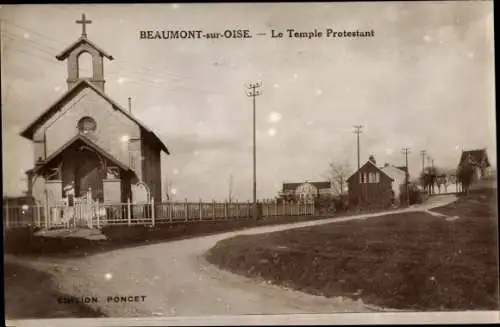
416, 195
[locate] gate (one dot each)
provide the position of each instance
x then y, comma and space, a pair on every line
84, 211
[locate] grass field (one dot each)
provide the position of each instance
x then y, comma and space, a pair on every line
22, 241
410, 261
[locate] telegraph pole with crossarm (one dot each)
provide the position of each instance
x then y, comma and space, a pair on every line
406, 151
357, 131
254, 92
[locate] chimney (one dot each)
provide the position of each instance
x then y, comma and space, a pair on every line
130, 105
372, 159
386, 164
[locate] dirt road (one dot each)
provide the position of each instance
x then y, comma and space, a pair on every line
175, 280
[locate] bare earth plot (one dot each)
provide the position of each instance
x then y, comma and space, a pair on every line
442, 259
176, 280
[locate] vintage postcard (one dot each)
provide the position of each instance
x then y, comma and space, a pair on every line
249, 163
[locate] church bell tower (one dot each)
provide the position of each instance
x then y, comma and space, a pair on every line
73, 54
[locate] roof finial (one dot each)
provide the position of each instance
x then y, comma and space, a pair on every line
84, 22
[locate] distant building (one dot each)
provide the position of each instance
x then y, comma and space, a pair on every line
375, 187
306, 190
478, 159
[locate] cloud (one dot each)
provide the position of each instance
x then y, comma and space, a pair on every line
274, 117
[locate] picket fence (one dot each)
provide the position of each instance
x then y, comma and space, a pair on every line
150, 213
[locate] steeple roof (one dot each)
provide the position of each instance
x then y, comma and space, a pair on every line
82, 39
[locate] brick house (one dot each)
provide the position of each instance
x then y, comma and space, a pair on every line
88, 142
370, 187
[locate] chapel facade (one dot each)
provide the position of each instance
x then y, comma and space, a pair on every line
89, 142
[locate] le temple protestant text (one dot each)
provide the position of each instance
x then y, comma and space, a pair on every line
247, 34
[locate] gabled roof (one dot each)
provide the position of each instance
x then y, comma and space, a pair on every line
394, 171
85, 140
369, 163
65, 53
403, 168
28, 131
476, 157
294, 186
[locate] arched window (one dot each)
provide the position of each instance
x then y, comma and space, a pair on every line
87, 125
84, 65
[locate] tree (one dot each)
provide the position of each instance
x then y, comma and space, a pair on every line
168, 189
339, 172
415, 195
230, 191
465, 175
428, 179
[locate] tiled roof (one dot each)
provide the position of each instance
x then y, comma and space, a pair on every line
403, 168
394, 172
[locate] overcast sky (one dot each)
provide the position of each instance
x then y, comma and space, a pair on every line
425, 81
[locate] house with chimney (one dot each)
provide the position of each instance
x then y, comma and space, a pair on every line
375, 187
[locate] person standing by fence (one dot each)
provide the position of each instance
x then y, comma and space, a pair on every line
69, 209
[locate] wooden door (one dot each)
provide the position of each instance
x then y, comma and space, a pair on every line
89, 175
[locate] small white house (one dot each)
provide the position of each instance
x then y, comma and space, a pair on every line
398, 175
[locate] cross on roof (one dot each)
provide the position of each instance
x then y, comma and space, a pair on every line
84, 22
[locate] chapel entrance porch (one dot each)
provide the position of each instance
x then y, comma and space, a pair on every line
79, 180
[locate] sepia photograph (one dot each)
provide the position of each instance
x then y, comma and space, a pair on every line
249, 163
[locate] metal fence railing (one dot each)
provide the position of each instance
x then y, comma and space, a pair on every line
148, 213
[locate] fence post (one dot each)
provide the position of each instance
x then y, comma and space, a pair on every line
201, 210
47, 213
153, 211
213, 210
7, 224
225, 209
129, 213
186, 209
237, 210
98, 216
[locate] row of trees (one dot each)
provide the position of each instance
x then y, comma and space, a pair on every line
433, 177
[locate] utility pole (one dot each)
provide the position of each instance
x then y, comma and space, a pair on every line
406, 151
357, 131
254, 92
423, 152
